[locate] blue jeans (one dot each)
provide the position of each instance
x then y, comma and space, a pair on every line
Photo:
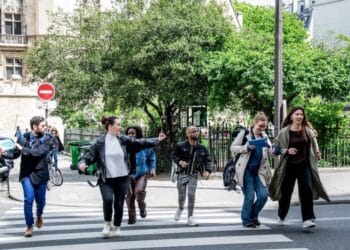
252, 187
31, 192
55, 157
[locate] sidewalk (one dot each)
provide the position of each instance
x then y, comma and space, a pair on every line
163, 193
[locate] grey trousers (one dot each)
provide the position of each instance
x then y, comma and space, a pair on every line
185, 182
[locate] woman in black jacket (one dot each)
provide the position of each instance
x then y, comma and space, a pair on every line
111, 154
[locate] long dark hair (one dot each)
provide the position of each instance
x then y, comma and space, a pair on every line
137, 129
288, 120
108, 120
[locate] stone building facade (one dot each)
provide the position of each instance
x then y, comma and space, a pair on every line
21, 23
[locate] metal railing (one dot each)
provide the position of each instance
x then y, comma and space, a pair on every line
13, 39
335, 149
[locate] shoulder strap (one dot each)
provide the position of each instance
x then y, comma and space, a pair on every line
246, 131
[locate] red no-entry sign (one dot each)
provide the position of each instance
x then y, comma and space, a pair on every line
46, 91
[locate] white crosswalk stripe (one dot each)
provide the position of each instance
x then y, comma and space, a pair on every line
80, 228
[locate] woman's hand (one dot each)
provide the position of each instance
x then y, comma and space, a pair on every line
82, 167
292, 151
318, 154
152, 173
251, 147
161, 136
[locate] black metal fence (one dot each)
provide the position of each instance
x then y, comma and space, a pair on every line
333, 141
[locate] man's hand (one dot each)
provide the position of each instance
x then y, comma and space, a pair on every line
183, 164
206, 175
18, 146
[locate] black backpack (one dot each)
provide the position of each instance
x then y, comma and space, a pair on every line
230, 168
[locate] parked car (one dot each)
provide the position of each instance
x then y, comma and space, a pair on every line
6, 164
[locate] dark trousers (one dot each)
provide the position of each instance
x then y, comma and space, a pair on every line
302, 173
136, 191
113, 193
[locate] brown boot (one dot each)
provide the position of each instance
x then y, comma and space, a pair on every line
132, 216
28, 232
39, 222
140, 197
130, 202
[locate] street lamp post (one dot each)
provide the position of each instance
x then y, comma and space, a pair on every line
278, 67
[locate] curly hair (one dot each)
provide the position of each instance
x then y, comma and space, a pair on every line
138, 130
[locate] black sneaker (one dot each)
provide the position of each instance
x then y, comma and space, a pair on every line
250, 225
143, 213
256, 222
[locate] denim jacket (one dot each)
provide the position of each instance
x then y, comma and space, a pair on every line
145, 162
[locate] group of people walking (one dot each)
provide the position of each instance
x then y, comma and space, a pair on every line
126, 161
298, 152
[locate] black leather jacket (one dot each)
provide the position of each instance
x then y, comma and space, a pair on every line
130, 145
198, 157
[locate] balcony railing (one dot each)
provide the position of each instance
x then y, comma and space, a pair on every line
14, 39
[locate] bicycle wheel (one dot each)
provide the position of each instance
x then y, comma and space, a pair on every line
57, 177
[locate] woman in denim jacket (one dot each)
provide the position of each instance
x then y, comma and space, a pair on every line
145, 163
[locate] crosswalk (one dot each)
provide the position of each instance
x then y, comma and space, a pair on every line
77, 228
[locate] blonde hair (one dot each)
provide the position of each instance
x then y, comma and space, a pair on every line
260, 117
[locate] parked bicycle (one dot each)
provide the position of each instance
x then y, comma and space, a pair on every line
56, 176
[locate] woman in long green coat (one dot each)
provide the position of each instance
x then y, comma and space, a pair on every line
297, 145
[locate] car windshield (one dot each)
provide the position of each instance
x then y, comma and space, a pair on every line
7, 143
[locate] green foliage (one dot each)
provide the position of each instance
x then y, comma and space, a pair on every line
244, 70
151, 59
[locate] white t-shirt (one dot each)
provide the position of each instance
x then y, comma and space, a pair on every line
114, 154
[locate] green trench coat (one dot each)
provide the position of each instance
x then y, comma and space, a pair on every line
282, 141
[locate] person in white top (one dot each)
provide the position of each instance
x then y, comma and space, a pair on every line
110, 153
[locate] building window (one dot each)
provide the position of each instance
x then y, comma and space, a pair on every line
13, 67
13, 24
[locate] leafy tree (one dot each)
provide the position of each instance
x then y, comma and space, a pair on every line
245, 69
137, 57
159, 57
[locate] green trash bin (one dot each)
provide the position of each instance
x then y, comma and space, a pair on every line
77, 149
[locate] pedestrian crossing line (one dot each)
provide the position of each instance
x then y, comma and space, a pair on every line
285, 249
183, 242
19, 210
150, 216
99, 220
125, 232
80, 229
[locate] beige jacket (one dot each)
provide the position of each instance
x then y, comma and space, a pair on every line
241, 164
282, 140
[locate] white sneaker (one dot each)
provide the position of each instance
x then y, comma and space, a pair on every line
191, 222
281, 222
309, 224
115, 231
177, 215
106, 230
